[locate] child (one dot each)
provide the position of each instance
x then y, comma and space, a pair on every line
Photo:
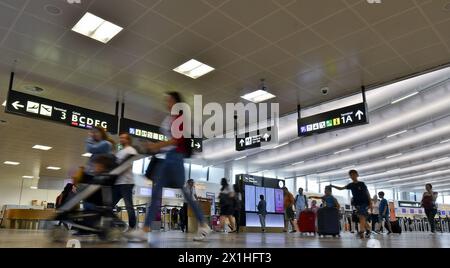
384, 213
329, 200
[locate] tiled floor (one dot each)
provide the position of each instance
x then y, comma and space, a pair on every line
39, 239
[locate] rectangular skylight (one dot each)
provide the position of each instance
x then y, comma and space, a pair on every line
53, 168
258, 96
33, 188
194, 69
445, 141
28, 177
86, 155
42, 147
404, 98
11, 163
96, 28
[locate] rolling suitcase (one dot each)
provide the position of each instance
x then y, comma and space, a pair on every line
307, 222
328, 221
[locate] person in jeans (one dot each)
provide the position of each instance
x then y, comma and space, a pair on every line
301, 202
384, 212
374, 215
361, 201
170, 172
429, 204
123, 188
262, 212
289, 215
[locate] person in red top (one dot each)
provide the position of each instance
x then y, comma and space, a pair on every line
289, 215
170, 173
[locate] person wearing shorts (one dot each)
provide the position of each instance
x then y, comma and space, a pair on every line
361, 201
289, 215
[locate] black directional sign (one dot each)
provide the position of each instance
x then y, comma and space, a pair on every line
152, 133
346, 117
249, 141
141, 130
40, 108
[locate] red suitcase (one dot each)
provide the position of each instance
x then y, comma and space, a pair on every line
307, 222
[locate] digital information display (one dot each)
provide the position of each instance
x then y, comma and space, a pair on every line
40, 108
346, 117
250, 198
270, 200
273, 197
279, 198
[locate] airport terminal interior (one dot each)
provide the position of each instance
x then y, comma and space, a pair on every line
283, 94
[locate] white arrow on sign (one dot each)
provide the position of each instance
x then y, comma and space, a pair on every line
359, 114
241, 142
17, 105
266, 136
197, 145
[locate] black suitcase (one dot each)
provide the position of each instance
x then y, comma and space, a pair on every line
328, 221
396, 229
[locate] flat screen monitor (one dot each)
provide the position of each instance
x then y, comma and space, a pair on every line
279, 206
270, 200
250, 198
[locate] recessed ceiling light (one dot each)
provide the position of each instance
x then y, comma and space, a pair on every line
87, 155
42, 147
96, 28
33, 188
53, 168
28, 177
405, 97
258, 96
11, 163
392, 156
342, 151
194, 69
240, 158
4, 104
398, 133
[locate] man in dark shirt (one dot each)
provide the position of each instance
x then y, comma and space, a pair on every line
361, 200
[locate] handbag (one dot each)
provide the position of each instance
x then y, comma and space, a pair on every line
150, 173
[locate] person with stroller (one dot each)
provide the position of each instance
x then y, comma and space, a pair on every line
170, 172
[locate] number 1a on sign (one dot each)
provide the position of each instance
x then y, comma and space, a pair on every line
347, 119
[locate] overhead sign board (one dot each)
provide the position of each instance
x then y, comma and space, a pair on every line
346, 117
255, 140
40, 108
152, 133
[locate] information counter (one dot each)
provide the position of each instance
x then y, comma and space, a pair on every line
27, 218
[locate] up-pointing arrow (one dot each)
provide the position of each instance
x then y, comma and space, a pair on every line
266, 136
241, 142
359, 114
17, 105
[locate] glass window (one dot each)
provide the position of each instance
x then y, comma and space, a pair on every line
290, 185
313, 185
300, 183
216, 174
388, 193
447, 199
198, 172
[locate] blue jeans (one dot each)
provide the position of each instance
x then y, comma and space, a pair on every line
125, 191
170, 174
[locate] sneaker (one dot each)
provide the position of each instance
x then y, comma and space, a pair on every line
203, 233
137, 235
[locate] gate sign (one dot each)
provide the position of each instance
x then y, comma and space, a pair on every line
40, 108
253, 141
152, 133
346, 117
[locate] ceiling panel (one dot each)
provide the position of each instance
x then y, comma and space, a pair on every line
247, 12
357, 41
269, 56
277, 25
189, 43
378, 13
17, 4
244, 42
38, 29
208, 25
183, 12
8, 16
339, 25
322, 9
113, 10
155, 27
300, 42
133, 44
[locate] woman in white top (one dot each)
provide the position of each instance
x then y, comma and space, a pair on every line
374, 213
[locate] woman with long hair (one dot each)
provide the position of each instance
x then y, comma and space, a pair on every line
98, 143
226, 201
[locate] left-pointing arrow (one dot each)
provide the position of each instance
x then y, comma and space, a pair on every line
17, 105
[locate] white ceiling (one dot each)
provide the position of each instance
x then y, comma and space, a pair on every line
298, 46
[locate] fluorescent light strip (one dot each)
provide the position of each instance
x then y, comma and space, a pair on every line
96, 28
349, 167
281, 145
86, 155
193, 69
445, 141
440, 159
405, 97
258, 96
398, 133
240, 158
342, 151
11, 163
392, 156
53, 168
28, 177
33, 188
4, 104
298, 163
42, 147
